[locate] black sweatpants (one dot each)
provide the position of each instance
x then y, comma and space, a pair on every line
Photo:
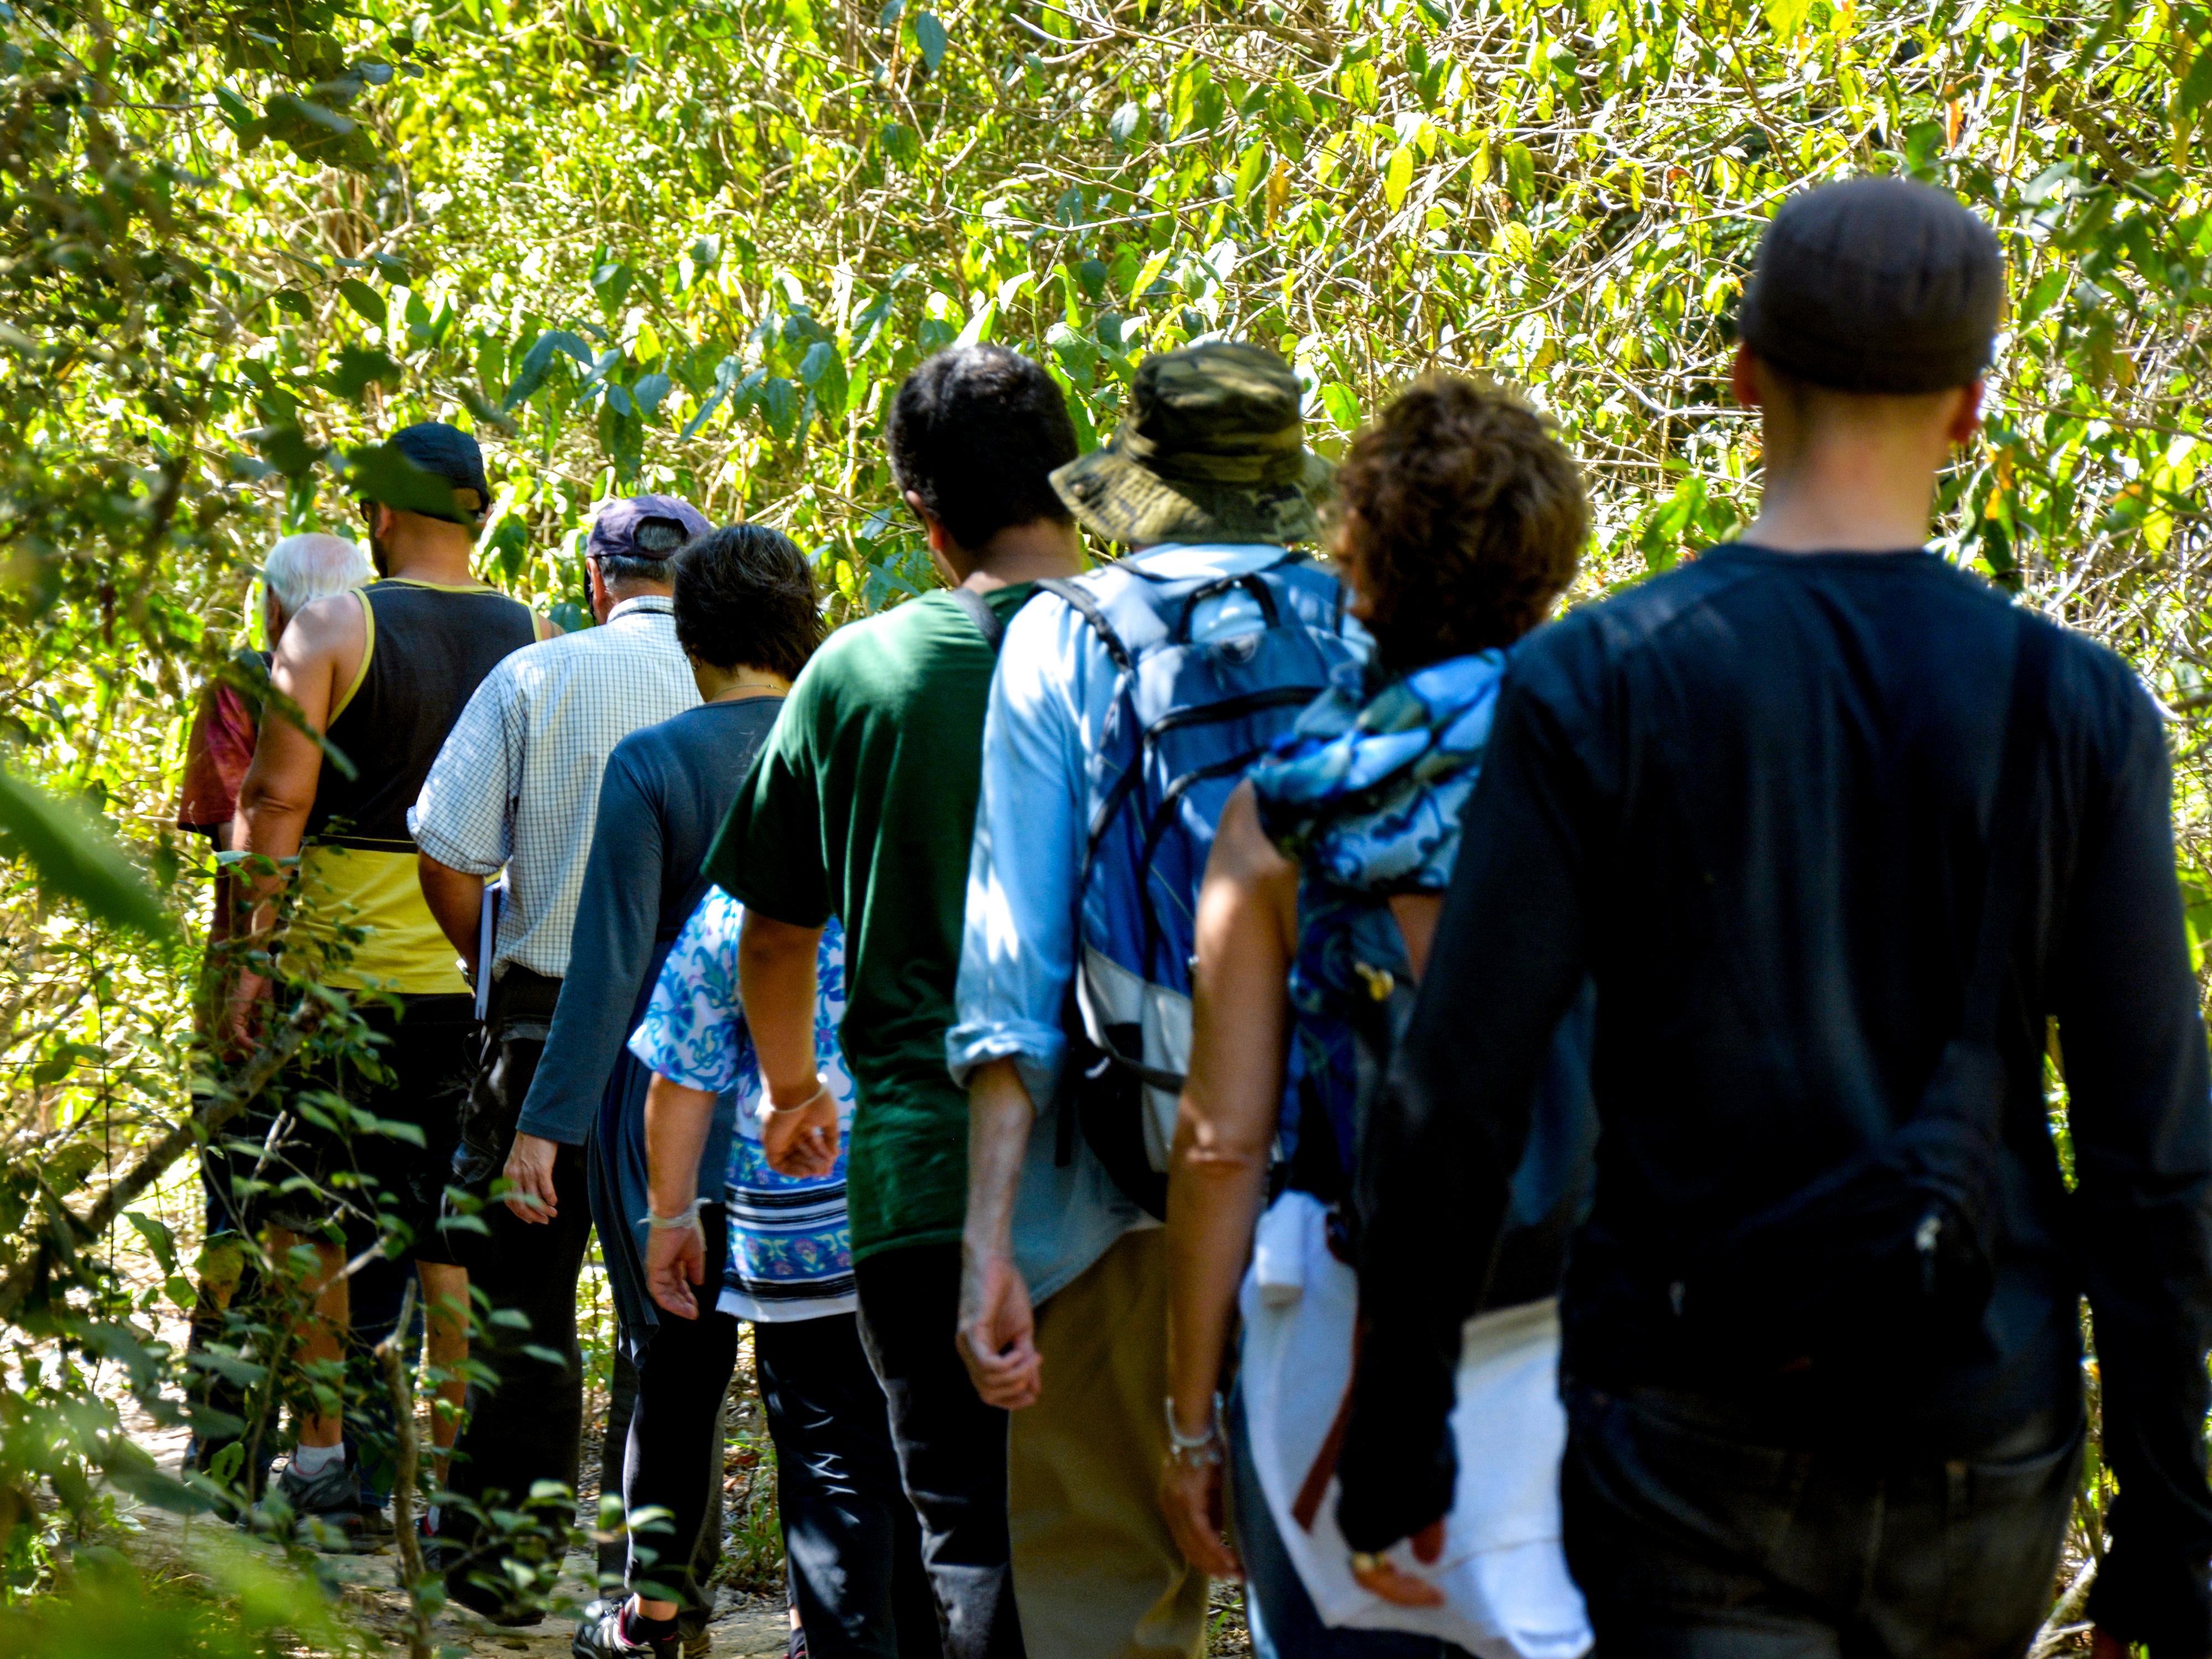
952, 1447
852, 1538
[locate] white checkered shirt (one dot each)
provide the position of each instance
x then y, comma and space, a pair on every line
518, 782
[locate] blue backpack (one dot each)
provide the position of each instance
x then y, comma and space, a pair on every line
1212, 669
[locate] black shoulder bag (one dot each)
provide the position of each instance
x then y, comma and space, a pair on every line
1881, 1271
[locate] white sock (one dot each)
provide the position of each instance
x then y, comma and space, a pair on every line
312, 1460
431, 1517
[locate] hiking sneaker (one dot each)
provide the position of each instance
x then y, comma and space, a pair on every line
601, 1635
699, 1643
326, 1508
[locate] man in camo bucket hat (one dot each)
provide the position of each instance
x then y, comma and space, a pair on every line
1213, 450
1208, 634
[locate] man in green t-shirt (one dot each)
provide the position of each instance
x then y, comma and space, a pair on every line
862, 805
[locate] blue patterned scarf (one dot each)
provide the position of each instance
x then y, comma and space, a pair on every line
1366, 792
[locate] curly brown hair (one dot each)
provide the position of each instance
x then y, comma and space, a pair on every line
1465, 517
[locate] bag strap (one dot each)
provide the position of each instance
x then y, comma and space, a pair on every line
979, 612
1085, 604
2009, 837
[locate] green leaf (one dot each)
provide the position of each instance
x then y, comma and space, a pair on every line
364, 300
2049, 289
1251, 172
1398, 176
73, 857
1342, 403
159, 1238
929, 37
2196, 87
380, 473
359, 365
1520, 171
286, 448
1786, 17
779, 404
538, 363
650, 389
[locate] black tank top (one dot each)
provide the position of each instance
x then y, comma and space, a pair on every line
428, 649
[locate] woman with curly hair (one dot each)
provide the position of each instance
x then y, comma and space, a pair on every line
1461, 520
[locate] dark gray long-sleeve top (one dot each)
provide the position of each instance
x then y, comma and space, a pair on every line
1751, 798
665, 794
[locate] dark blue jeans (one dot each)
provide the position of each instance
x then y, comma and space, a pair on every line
1283, 1623
1692, 1539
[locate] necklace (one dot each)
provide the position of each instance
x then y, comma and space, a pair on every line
741, 690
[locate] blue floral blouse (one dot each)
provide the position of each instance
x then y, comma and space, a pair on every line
791, 1252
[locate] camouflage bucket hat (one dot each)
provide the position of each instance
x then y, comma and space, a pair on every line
1212, 451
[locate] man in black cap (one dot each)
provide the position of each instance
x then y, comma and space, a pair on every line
378, 675
1839, 831
516, 788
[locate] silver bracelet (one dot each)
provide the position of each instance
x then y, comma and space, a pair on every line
1195, 1451
688, 1216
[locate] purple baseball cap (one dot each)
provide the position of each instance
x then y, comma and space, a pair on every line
644, 528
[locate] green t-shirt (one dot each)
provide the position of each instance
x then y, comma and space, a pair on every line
861, 804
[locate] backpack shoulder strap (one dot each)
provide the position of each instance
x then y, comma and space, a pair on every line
979, 612
1087, 606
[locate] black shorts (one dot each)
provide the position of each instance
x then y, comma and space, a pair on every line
311, 1170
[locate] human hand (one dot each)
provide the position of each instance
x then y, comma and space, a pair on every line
241, 1014
1190, 1500
997, 1334
801, 1141
675, 1261
1382, 1577
529, 1175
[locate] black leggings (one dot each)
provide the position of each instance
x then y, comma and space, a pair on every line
673, 1459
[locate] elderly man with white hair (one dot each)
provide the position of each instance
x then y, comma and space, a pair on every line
299, 570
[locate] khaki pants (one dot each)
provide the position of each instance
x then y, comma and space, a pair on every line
1097, 1574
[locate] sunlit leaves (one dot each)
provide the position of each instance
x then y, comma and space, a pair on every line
74, 857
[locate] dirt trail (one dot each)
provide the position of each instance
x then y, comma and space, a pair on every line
745, 1627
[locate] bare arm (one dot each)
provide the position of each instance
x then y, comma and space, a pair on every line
998, 1328
319, 655
676, 1121
456, 900
776, 982
1246, 930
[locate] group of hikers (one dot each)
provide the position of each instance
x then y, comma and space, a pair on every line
1259, 1056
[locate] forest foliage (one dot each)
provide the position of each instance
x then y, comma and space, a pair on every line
694, 246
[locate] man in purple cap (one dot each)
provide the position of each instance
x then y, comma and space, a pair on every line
516, 787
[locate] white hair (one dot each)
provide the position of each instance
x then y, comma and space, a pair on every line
311, 566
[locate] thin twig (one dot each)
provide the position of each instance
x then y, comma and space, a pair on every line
410, 1570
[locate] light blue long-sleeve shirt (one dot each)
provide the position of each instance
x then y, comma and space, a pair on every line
1050, 698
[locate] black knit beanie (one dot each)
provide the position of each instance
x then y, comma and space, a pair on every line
1880, 285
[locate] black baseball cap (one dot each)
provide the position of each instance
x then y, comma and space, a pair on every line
1875, 285
447, 453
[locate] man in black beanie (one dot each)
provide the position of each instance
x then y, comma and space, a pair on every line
1840, 833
